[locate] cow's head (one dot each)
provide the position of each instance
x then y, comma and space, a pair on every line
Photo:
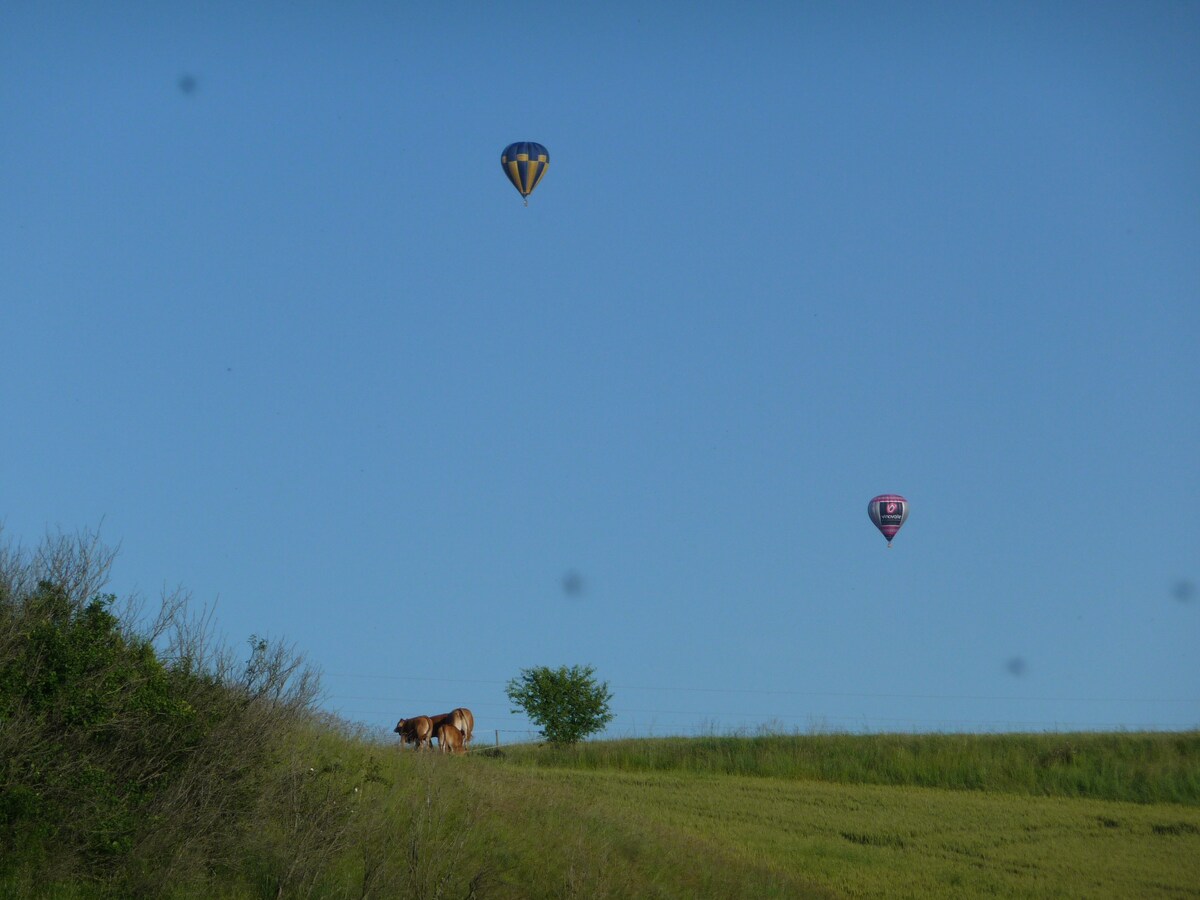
400, 726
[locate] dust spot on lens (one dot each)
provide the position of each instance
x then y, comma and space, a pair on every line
1184, 590
572, 584
187, 84
1016, 666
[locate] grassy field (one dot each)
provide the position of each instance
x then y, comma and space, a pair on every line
686, 835
1146, 767
773, 816
849, 815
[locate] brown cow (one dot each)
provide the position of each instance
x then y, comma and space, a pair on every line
417, 730
450, 739
441, 719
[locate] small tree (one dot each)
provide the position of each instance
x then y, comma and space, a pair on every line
566, 703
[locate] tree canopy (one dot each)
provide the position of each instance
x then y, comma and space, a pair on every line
567, 704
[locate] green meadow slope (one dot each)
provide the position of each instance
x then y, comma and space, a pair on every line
340, 816
1138, 767
684, 835
1097, 815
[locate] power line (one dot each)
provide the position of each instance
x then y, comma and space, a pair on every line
923, 724
814, 718
785, 693
729, 714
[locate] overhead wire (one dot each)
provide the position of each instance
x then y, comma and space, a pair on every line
796, 693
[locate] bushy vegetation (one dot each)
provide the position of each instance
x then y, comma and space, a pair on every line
132, 747
141, 757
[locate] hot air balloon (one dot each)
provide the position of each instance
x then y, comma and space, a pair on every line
888, 512
525, 163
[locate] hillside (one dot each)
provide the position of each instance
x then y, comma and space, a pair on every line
361, 819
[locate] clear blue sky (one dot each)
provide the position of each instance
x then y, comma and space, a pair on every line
275, 322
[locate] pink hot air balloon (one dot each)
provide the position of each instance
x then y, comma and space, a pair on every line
888, 512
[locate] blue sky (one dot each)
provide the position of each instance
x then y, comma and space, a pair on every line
275, 322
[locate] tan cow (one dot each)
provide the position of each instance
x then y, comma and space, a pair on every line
417, 730
464, 722
450, 739
460, 718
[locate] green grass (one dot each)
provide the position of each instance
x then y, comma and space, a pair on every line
772, 816
1138, 767
789, 838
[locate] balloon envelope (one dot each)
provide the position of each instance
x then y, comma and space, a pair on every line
525, 162
888, 512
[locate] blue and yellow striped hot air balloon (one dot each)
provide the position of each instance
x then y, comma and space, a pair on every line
525, 163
